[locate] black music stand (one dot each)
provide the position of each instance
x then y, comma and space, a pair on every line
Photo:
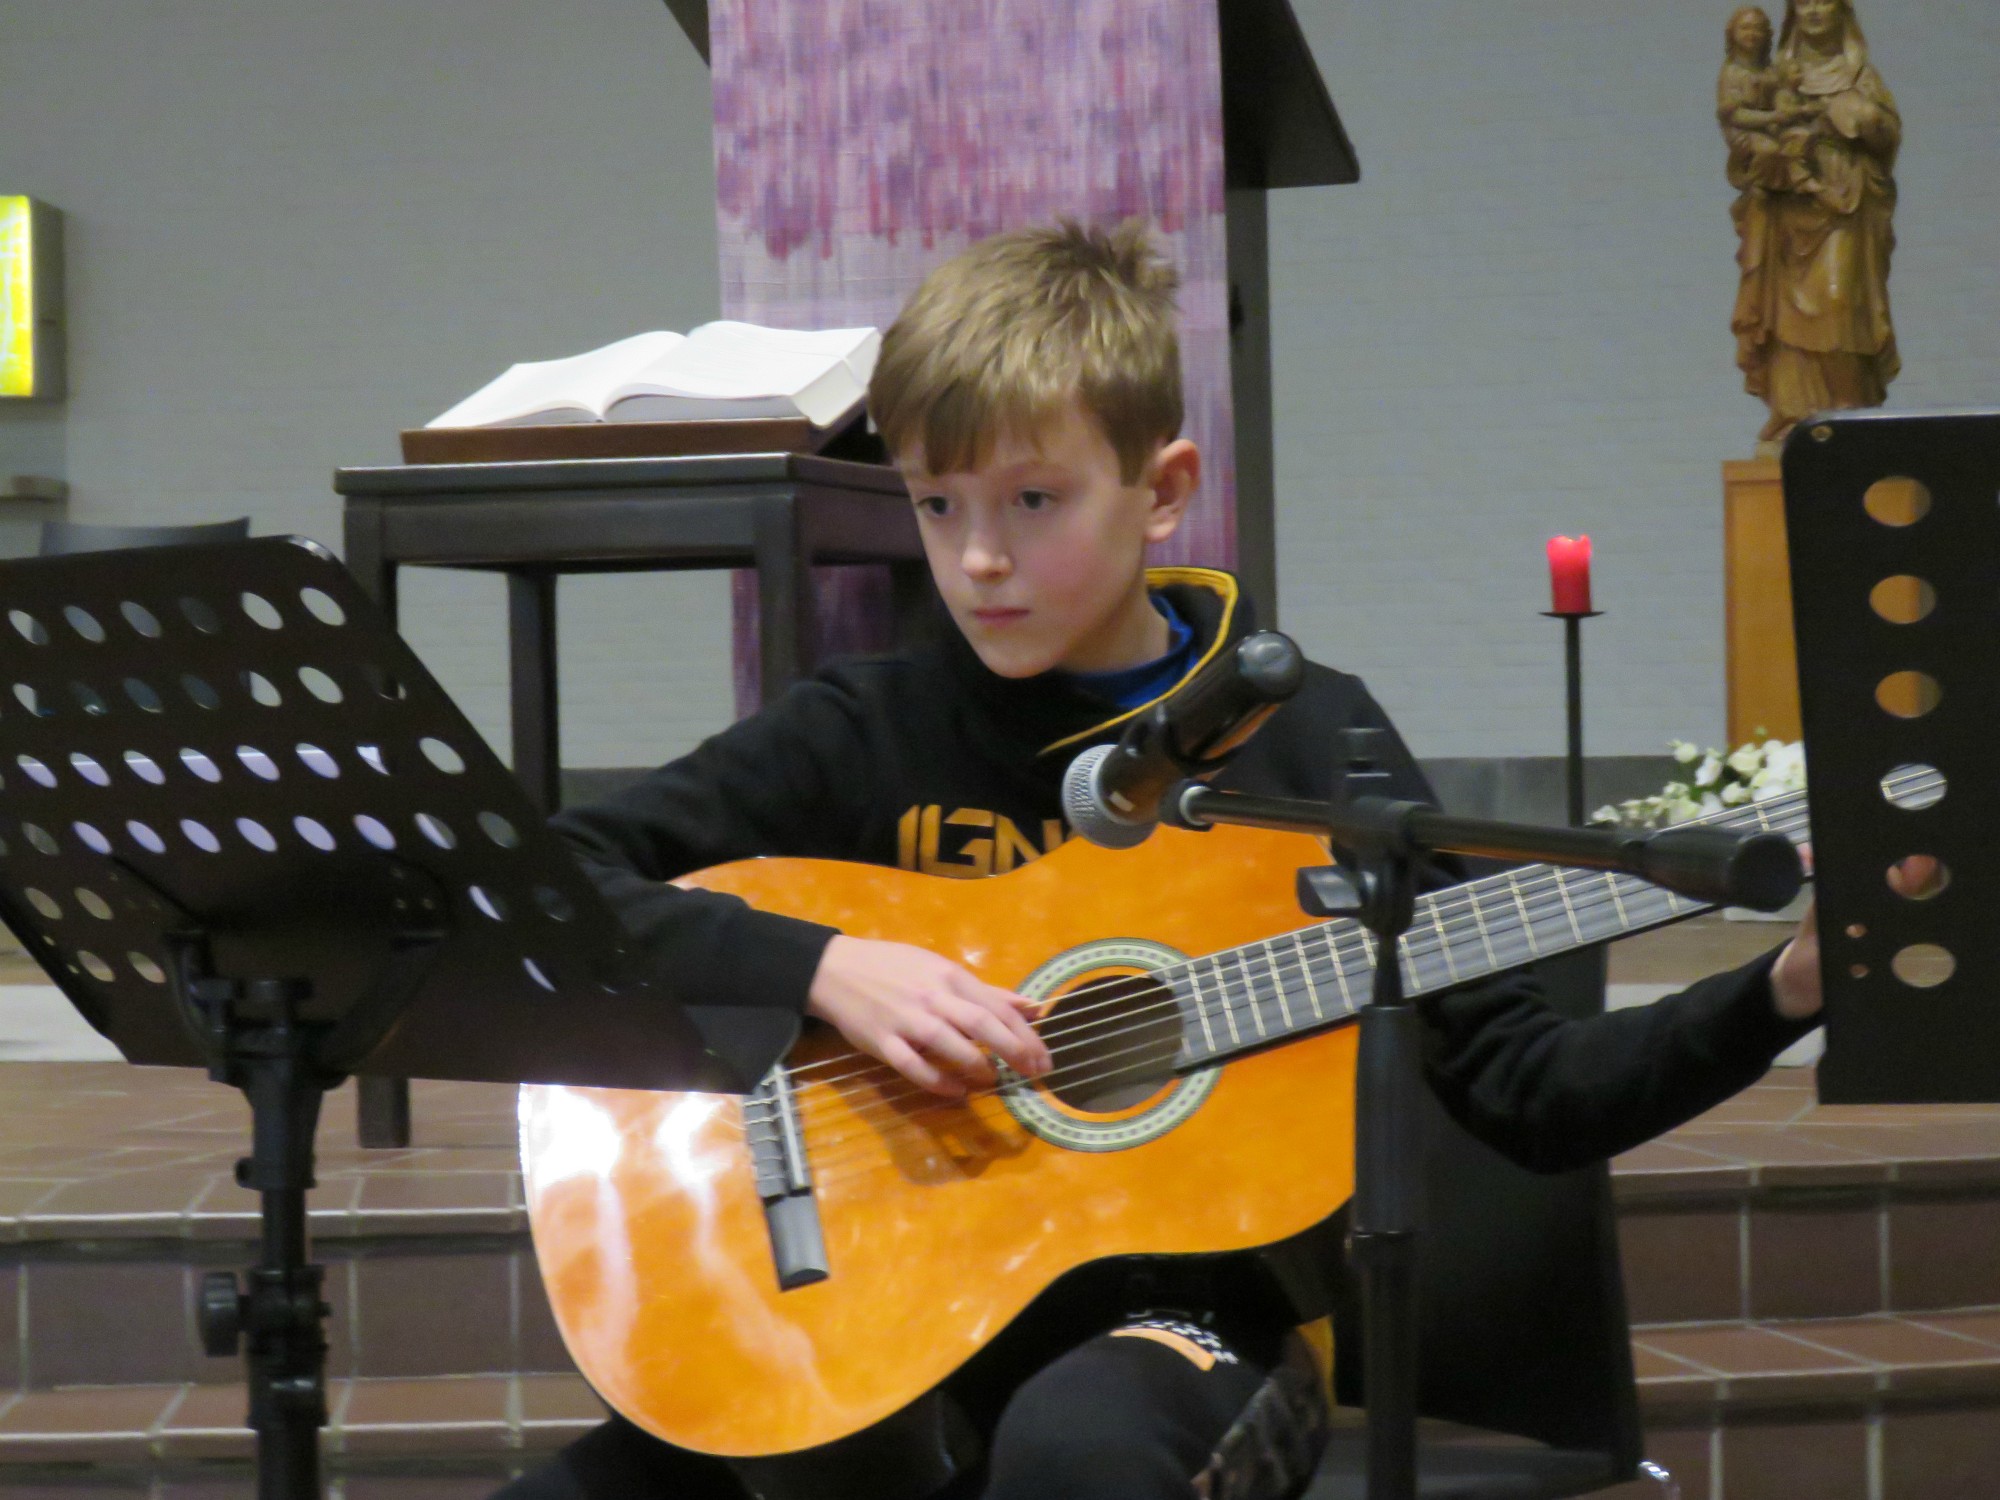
245, 830
1894, 533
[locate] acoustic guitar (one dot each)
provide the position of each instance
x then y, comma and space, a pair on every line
758, 1275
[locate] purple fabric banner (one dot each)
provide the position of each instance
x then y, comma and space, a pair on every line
858, 143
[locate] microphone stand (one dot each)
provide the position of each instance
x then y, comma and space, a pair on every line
1382, 846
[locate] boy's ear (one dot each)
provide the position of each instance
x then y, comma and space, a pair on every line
1172, 476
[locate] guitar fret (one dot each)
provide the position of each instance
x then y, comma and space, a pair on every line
1605, 908
1340, 972
1649, 899
1250, 985
1562, 888
1201, 1007
1485, 934
1441, 939
1228, 1002
1251, 1001
1507, 941
1521, 906
1547, 901
1444, 941
1422, 967
1284, 1006
1611, 883
1591, 916
1509, 937
1305, 963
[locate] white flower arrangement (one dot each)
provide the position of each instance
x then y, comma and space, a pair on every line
1752, 772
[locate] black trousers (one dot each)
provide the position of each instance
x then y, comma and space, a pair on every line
1130, 1415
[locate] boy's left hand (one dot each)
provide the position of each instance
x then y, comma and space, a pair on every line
1795, 986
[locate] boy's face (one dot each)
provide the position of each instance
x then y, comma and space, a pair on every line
1039, 552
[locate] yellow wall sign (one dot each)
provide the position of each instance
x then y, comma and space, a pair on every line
30, 299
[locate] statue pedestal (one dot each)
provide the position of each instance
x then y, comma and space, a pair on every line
1757, 590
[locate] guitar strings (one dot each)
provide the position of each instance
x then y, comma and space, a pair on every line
849, 1153
1332, 934
1449, 925
832, 1157
824, 1156
1332, 938
1351, 960
826, 1159
829, 1162
907, 1104
1540, 881
1439, 936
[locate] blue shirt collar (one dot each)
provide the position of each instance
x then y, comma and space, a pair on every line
1128, 687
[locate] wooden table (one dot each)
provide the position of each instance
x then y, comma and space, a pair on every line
781, 514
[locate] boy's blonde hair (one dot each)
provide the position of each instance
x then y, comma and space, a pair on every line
998, 338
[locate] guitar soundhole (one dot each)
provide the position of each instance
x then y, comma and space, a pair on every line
1114, 1043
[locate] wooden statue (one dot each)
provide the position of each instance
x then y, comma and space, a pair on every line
1812, 139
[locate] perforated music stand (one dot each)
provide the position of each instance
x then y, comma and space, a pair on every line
1894, 533
244, 829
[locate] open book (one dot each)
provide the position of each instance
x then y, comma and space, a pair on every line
719, 371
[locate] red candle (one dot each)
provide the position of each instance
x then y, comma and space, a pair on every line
1569, 575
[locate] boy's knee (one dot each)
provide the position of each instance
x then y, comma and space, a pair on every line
1116, 1419
1040, 1456
618, 1461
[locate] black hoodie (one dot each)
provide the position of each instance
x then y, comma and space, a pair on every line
932, 762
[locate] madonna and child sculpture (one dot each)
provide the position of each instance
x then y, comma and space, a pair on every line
1812, 142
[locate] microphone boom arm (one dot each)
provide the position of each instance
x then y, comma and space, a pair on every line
1717, 865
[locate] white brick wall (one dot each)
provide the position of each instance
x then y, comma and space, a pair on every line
297, 226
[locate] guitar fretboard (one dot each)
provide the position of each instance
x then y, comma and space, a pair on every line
1244, 998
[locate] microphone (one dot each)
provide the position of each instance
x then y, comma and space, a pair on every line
1111, 793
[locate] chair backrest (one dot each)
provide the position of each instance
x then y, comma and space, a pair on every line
59, 538
1521, 1298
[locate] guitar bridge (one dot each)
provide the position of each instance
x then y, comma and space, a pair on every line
784, 1181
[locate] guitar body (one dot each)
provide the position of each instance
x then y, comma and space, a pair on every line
941, 1221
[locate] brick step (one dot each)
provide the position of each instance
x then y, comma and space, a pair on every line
1773, 1206
117, 1194
1882, 1408
442, 1439
1870, 1408
123, 1312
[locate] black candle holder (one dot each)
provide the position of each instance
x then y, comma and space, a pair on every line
1573, 675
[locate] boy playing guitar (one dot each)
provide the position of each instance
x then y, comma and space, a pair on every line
1030, 393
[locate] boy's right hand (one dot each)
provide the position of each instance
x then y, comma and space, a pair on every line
930, 1019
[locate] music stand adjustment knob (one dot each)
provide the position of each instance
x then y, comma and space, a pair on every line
220, 1314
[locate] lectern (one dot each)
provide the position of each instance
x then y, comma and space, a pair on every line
1185, 112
